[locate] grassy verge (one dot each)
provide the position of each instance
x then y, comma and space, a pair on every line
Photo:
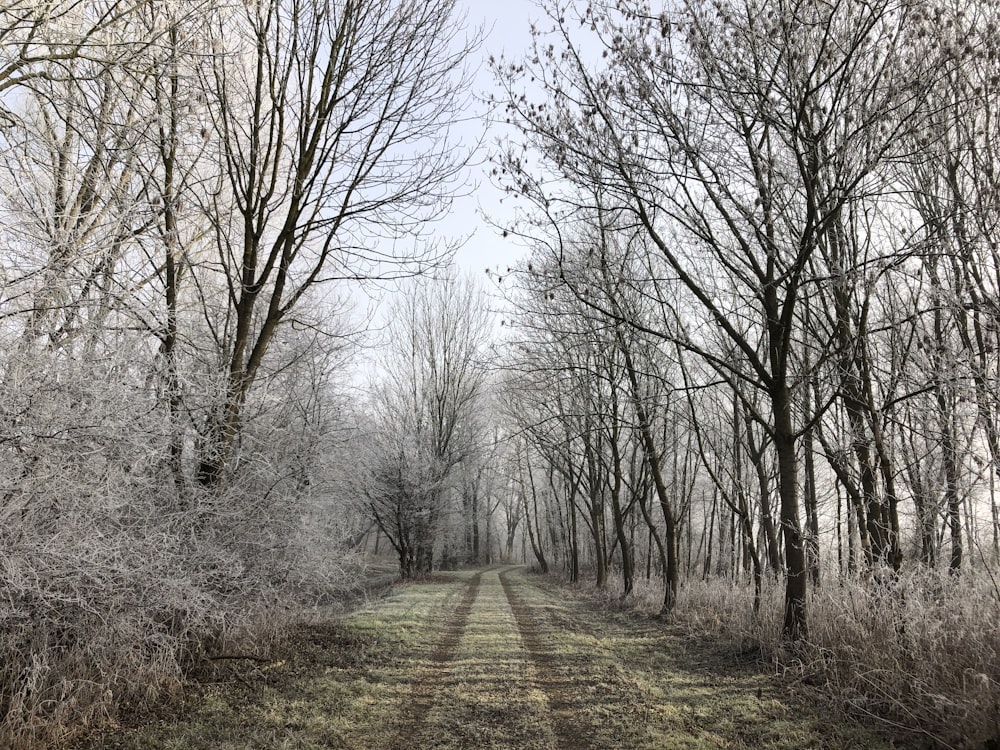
918, 657
332, 684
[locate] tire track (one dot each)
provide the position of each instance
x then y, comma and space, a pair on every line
423, 691
565, 723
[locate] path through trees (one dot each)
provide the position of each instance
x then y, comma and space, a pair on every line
495, 658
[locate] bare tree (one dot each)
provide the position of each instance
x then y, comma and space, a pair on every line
47, 41
329, 121
179, 220
733, 137
427, 414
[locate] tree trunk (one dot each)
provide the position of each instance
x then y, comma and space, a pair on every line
795, 625
670, 571
618, 516
707, 567
764, 496
810, 496
949, 448
536, 550
531, 521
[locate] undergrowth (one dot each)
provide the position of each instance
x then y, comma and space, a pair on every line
88, 638
919, 655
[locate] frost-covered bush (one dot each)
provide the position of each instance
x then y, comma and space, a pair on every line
921, 655
117, 576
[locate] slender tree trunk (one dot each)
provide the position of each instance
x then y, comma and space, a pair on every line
810, 494
595, 510
653, 538
489, 534
618, 516
996, 516
949, 448
764, 496
840, 535
531, 521
600, 540
953, 501
855, 503
670, 571
707, 568
476, 550
852, 546
687, 538
723, 561
795, 625
536, 550
857, 397
171, 267
574, 568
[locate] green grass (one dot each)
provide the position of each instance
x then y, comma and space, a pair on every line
406, 672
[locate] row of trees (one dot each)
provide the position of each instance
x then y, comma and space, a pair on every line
190, 194
210, 194
760, 294
429, 483
757, 315
756, 329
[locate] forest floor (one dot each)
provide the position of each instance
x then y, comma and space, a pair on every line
494, 658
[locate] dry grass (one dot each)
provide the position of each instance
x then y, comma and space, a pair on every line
93, 633
919, 661
76, 644
331, 684
920, 656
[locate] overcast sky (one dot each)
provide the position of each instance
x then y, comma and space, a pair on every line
506, 25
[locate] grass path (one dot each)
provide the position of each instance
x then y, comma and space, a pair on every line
491, 659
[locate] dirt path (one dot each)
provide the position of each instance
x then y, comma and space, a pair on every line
552, 675
429, 681
492, 659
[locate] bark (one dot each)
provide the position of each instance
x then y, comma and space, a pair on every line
595, 510
618, 517
795, 625
757, 454
531, 521
707, 567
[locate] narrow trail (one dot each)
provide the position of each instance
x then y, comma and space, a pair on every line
507, 673
487, 695
493, 659
569, 734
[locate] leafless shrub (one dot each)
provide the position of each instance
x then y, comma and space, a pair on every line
117, 584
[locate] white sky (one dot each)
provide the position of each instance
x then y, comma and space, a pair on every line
506, 26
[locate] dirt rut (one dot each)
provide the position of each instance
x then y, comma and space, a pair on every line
569, 734
439, 663
493, 660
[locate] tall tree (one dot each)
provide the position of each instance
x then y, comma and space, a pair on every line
427, 408
329, 120
732, 136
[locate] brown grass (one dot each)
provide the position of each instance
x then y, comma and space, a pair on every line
920, 656
530, 669
91, 635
